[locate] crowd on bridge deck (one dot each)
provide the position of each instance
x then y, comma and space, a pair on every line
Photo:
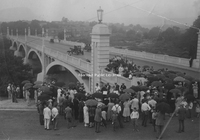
113, 105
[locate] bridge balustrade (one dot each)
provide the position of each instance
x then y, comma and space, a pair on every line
151, 56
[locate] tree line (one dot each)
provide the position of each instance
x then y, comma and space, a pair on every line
172, 41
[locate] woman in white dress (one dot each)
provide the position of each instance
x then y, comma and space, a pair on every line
86, 115
126, 112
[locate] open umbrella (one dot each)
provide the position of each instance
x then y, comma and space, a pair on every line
156, 84
98, 95
38, 82
25, 81
27, 87
91, 102
163, 107
160, 76
129, 90
143, 88
179, 79
113, 95
171, 75
60, 84
135, 88
28, 84
168, 80
80, 95
37, 86
188, 77
45, 88
176, 91
169, 86
44, 97
124, 96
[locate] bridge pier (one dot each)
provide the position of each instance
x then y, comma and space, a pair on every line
100, 53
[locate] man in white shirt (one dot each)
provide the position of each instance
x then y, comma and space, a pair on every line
47, 117
117, 114
9, 91
55, 117
152, 104
145, 108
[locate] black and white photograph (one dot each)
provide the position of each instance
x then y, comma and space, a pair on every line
100, 69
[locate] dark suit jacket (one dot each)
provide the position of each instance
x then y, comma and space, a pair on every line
181, 113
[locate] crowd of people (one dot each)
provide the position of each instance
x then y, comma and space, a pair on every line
144, 103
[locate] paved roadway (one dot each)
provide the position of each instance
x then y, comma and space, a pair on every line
56, 46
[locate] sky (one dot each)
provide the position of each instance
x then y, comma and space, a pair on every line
115, 11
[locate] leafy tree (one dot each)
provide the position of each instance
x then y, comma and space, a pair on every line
11, 67
190, 38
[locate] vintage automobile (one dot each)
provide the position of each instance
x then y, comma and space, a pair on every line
51, 40
76, 50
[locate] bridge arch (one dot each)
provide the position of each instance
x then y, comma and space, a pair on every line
35, 61
69, 68
22, 50
15, 46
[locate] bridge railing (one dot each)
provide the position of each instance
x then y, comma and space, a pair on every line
76, 62
155, 57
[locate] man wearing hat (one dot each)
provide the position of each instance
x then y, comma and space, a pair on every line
181, 117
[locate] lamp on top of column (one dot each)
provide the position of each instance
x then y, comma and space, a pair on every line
100, 14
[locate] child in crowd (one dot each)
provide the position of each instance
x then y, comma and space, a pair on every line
134, 117
154, 114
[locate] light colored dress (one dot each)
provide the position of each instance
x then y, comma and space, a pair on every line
86, 115
109, 111
126, 112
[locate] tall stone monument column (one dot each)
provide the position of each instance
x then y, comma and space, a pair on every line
100, 52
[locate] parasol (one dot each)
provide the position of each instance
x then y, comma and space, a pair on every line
169, 86
38, 82
91, 102
27, 87
98, 95
113, 95
124, 96
45, 89
60, 84
44, 97
25, 81
37, 86
179, 79
129, 90
156, 84
163, 107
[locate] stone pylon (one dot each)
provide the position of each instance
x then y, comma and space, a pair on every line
100, 52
